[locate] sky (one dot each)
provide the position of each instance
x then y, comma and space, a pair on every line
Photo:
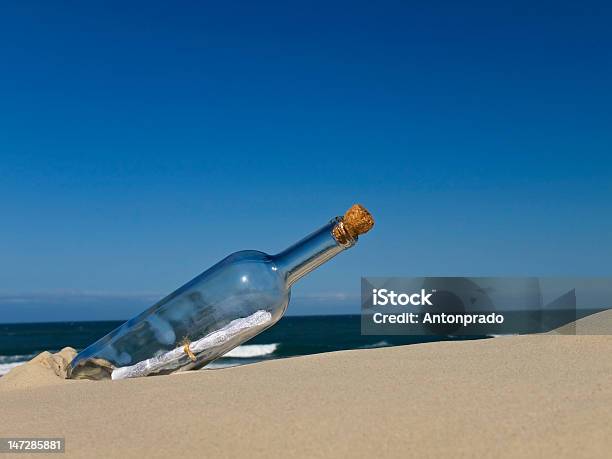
141, 142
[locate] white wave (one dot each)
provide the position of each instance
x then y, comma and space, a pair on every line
6, 367
248, 351
17, 358
217, 365
375, 345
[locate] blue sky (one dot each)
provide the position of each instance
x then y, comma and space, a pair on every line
140, 143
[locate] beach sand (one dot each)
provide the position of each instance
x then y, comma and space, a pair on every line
523, 396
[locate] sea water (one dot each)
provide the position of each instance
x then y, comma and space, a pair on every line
291, 336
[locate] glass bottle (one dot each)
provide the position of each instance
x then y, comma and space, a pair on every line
220, 309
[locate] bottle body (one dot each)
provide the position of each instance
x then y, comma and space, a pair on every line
220, 309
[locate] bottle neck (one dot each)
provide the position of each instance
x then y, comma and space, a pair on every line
312, 251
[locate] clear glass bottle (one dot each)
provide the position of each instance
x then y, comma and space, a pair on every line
220, 309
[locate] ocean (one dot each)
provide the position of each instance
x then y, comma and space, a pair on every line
291, 336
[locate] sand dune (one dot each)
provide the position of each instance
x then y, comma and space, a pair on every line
526, 396
595, 324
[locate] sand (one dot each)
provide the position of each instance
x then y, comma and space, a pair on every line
523, 396
45, 369
595, 324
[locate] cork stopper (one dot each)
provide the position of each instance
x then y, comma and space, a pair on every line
357, 220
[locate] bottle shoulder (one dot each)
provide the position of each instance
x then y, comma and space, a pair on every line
253, 264
248, 255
